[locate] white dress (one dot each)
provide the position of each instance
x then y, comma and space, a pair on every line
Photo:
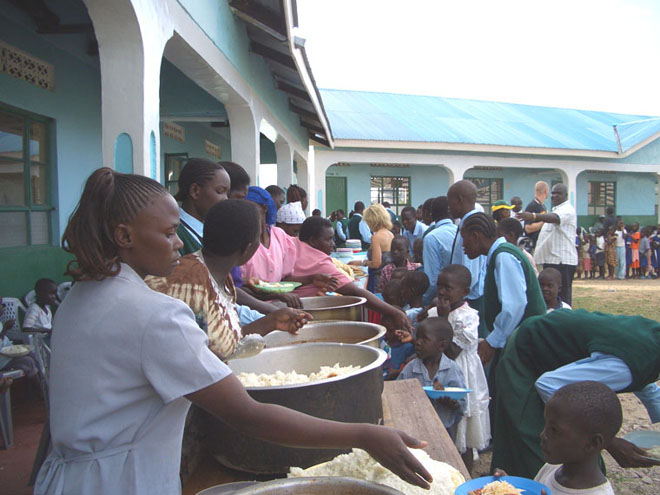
473, 431
123, 359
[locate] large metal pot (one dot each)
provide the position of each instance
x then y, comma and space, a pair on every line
342, 332
304, 486
346, 308
355, 397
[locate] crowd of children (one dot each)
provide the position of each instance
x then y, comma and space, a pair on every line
620, 251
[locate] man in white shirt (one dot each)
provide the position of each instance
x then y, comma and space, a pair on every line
555, 246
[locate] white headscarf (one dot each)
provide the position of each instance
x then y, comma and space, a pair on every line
291, 213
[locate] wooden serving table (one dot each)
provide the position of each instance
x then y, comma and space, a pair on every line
405, 407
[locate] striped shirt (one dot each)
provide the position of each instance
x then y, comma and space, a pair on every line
556, 242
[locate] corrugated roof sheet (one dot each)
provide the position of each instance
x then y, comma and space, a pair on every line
362, 115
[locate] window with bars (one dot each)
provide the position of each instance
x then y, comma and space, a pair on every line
25, 173
488, 191
394, 190
600, 196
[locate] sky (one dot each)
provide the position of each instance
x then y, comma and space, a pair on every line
587, 54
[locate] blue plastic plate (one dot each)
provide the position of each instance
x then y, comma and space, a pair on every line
452, 394
645, 439
531, 487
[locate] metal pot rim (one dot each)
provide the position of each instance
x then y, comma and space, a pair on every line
358, 302
380, 358
264, 488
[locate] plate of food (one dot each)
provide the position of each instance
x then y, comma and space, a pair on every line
277, 287
648, 440
502, 485
451, 392
14, 351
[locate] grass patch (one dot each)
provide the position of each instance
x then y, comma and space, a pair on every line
621, 300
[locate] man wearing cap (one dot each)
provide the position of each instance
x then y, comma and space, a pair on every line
555, 246
501, 210
290, 218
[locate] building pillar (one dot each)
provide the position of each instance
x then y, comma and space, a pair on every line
456, 172
569, 178
245, 147
131, 40
284, 154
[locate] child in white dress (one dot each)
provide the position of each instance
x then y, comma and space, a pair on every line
474, 429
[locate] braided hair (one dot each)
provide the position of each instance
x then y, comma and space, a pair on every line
196, 171
482, 223
108, 199
295, 193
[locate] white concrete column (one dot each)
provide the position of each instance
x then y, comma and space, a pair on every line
244, 127
131, 38
569, 177
284, 153
456, 171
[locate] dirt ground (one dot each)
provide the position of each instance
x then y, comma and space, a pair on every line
630, 297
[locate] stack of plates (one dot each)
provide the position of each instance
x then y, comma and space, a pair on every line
344, 252
354, 244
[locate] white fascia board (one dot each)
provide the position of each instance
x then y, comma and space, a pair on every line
304, 74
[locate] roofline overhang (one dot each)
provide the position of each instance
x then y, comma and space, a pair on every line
490, 148
299, 56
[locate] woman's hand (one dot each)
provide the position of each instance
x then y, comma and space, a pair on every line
627, 454
390, 448
402, 321
289, 319
325, 282
290, 299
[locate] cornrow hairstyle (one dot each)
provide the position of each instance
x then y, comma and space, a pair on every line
592, 405
440, 208
510, 226
237, 175
295, 193
460, 274
238, 216
312, 228
108, 199
196, 171
480, 222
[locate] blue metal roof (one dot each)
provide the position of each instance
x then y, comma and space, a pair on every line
362, 115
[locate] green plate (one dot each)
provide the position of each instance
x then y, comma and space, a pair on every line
278, 287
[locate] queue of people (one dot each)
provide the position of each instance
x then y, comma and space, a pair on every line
165, 292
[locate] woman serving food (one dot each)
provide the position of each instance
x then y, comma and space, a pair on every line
127, 361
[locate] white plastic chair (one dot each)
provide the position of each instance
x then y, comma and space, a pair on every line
30, 298
62, 290
12, 305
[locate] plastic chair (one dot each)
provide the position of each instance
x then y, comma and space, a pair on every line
30, 298
6, 427
62, 290
12, 305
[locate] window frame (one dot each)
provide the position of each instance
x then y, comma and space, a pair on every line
396, 206
51, 175
591, 207
166, 181
487, 207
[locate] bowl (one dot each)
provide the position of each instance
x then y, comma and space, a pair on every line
355, 397
342, 332
530, 487
452, 392
343, 308
645, 439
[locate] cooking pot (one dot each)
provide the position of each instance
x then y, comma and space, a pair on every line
346, 308
304, 486
343, 332
355, 397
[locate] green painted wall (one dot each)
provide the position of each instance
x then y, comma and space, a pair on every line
21, 267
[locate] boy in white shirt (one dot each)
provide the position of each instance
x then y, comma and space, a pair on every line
38, 316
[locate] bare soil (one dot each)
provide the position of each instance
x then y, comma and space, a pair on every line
629, 297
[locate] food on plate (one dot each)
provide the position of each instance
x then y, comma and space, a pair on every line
15, 350
497, 488
292, 377
359, 464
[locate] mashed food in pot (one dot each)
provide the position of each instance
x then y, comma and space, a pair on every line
359, 464
281, 378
